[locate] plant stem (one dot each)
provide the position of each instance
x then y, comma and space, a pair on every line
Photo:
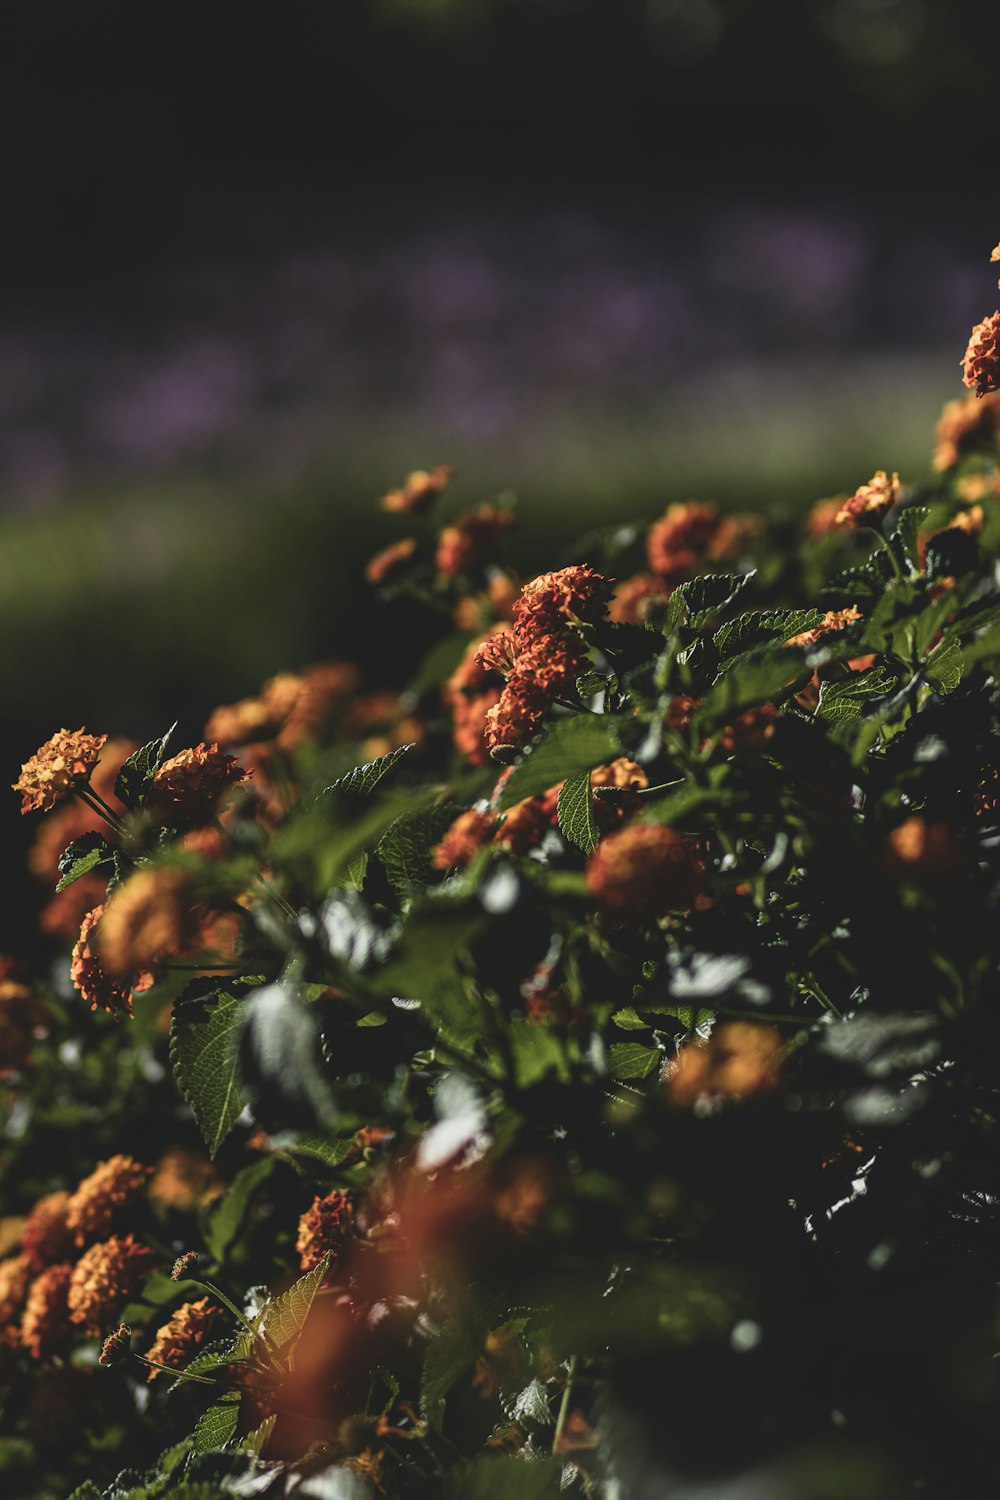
564, 1403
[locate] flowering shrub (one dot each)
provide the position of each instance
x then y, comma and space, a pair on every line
575, 1072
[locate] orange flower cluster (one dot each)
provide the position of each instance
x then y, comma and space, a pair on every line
471, 831
102, 990
638, 598
981, 361
66, 909
99, 1199
324, 1228
178, 1340
822, 518
922, 852
148, 918
384, 563
679, 543
47, 1237
645, 868
183, 1181
741, 1058
471, 538
870, 502
57, 768
469, 693
104, 1278
45, 1326
15, 1274
186, 788
547, 658
420, 490
292, 709
971, 424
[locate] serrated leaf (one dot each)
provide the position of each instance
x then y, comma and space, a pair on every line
204, 1049
81, 856
135, 775
364, 779
222, 1221
256, 1441
405, 847
628, 1019
751, 629
283, 1318
532, 1405
570, 746
944, 667
696, 602
329, 1150
632, 1060
216, 1356
575, 809
908, 526
847, 698
217, 1426
590, 684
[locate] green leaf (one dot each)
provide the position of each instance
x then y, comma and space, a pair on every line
405, 847
284, 1318
628, 1019
450, 1356
576, 812
329, 1150
217, 1426
364, 779
760, 625
847, 698
632, 1060
945, 666
496, 1478
138, 770
696, 602
571, 745
762, 676
255, 1442
911, 519
84, 854
204, 1048
222, 1222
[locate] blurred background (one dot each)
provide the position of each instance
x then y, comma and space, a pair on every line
259, 262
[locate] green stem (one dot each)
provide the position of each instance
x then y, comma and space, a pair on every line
564, 1403
220, 1296
88, 796
177, 1374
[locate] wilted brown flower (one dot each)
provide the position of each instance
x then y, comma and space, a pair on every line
178, 1341
384, 563
470, 832
550, 602
47, 1237
116, 1345
871, 501
57, 768
148, 918
183, 1181
104, 1278
970, 424
645, 868
922, 852
100, 1197
45, 1324
678, 543
186, 788
92, 980
15, 1273
324, 1228
421, 489
740, 1058
469, 538
981, 361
